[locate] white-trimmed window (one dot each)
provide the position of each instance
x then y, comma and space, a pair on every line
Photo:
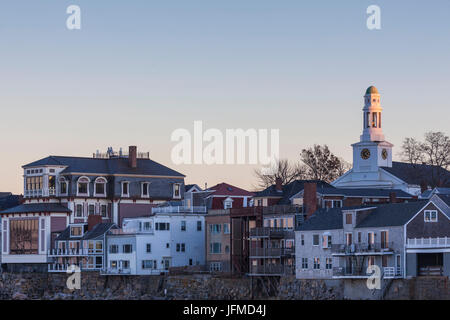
316, 263
315, 239
62, 186
113, 248
104, 210
326, 241
148, 248
177, 190
83, 186
100, 187
79, 210
76, 231
228, 203
145, 190
215, 247
125, 189
215, 266
430, 216
328, 263
304, 263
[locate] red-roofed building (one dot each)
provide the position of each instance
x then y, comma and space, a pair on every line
226, 196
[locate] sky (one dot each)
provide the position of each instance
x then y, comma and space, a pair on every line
138, 70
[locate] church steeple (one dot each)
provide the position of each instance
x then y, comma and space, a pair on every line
372, 116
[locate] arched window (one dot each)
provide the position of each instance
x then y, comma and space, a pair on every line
100, 187
83, 186
62, 186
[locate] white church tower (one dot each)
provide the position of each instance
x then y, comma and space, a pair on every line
372, 152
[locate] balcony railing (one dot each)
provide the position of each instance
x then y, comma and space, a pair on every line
63, 267
362, 248
270, 252
282, 209
127, 231
33, 193
387, 272
179, 209
443, 242
117, 271
73, 252
271, 270
268, 232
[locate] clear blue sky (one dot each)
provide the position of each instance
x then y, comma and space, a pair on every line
137, 70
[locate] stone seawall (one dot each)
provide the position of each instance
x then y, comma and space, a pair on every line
94, 286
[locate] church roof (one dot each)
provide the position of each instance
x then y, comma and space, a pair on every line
418, 174
371, 90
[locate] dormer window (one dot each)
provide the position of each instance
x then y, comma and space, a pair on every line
228, 203
125, 189
144, 189
76, 231
177, 191
100, 187
83, 186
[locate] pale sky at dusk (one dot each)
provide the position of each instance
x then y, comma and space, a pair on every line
138, 70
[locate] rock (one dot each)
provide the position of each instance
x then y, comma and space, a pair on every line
19, 296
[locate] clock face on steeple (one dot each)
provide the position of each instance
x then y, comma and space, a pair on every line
365, 154
384, 154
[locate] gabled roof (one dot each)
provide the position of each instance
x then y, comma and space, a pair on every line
37, 207
225, 189
428, 193
417, 174
96, 232
188, 187
106, 166
289, 190
392, 214
323, 219
445, 198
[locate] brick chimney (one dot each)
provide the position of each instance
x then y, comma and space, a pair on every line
132, 156
392, 197
93, 220
278, 184
309, 198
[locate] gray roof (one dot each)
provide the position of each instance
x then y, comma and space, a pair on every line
418, 173
289, 190
392, 214
445, 198
428, 193
5, 194
364, 192
36, 208
323, 219
97, 232
105, 166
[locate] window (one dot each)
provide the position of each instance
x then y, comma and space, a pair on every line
24, 236
91, 209
215, 266
199, 226
348, 218
114, 248
316, 263
302, 239
328, 263
148, 264
125, 187
76, 231
430, 216
144, 189
384, 261
183, 225
228, 203
384, 240
149, 248
79, 211
83, 186
176, 191
370, 238
167, 245
98, 262
125, 264
315, 239
332, 203
304, 263
127, 248
113, 264
62, 186
227, 249
348, 238
215, 228
215, 247
147, 225
181, 247
326, 241
162, 226
359, 237
100, 187
371, 261
103, 210
226, 228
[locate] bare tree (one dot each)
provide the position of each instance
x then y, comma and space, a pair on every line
321, 163
433, 151
282, 169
